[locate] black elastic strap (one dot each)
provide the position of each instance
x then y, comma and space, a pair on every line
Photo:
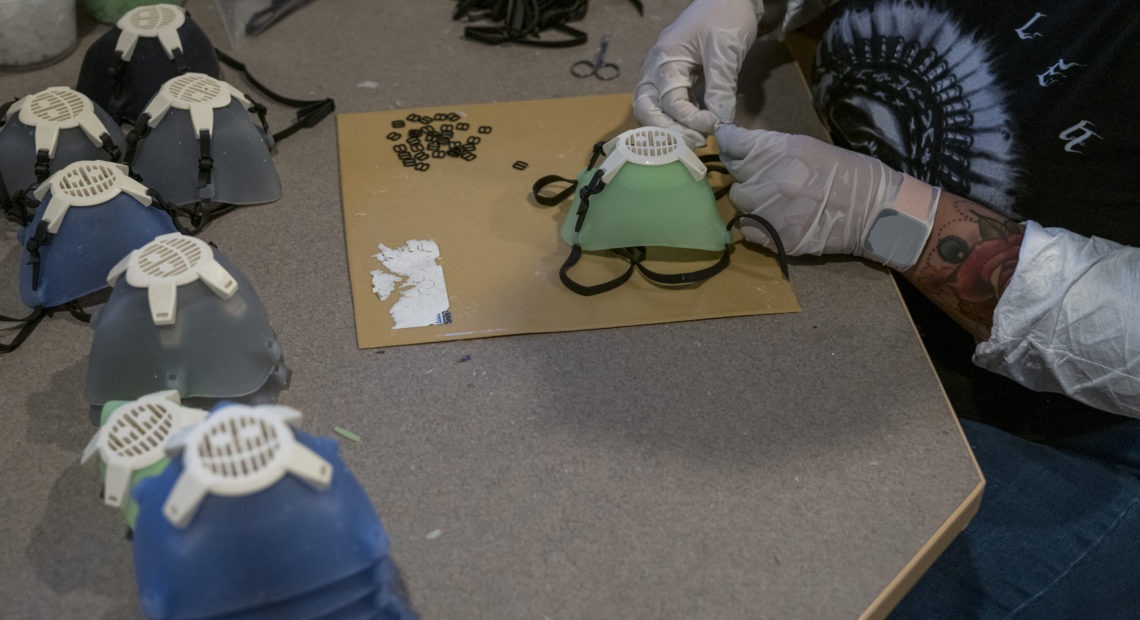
27, 326
781, 256
688, 277
118, 99
193, 219
179, 60
18, 208
310, 112
29, 323
7, 206
495, 35
629, 254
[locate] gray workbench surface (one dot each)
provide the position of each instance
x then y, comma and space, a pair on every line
784, 466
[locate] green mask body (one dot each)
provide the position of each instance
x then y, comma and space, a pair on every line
648, 205
651, 190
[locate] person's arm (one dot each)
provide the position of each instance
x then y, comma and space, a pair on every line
967, 262
1053, 310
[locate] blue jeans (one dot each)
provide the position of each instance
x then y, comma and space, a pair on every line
1057, 534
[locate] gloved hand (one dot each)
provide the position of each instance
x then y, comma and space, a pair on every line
823, 199
708, 39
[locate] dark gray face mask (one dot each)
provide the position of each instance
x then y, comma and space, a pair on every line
44, 132
149, 45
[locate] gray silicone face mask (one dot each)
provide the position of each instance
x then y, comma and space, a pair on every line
46, 131
181, 316
198, 142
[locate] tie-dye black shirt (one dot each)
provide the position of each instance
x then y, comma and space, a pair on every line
1031, 107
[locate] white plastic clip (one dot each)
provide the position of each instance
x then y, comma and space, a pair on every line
168, 262
54, 109
152, 21
649, 146
240, 450
86, 184
133, 438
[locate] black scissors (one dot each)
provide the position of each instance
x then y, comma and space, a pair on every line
598, 67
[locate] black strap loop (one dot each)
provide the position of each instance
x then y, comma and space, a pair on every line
781, 255
633, 255
546, 181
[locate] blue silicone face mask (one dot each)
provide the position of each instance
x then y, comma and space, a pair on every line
44, 132
266, 519
91, 215
182, 317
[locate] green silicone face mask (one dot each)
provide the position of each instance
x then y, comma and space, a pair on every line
649, 191
130, 444
652, 192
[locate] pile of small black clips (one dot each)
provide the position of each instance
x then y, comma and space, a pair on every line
430, 142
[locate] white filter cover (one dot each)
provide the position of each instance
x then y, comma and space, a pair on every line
168, 262
198, 93
649, 146
54, 109
134, 436
86, 184
240, 450
154, 21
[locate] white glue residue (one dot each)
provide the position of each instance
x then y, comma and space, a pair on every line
414, 273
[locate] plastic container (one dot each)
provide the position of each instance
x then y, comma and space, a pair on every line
35, 33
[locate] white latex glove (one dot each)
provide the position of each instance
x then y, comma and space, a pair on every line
823, 199
708, 40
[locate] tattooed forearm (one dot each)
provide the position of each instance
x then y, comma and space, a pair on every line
967, 262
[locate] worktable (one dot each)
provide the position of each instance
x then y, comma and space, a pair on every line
802, 465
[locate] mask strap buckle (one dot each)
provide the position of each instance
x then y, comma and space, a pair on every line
138, 132
39, 239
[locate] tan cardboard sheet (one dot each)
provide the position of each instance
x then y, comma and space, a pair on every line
498, 251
